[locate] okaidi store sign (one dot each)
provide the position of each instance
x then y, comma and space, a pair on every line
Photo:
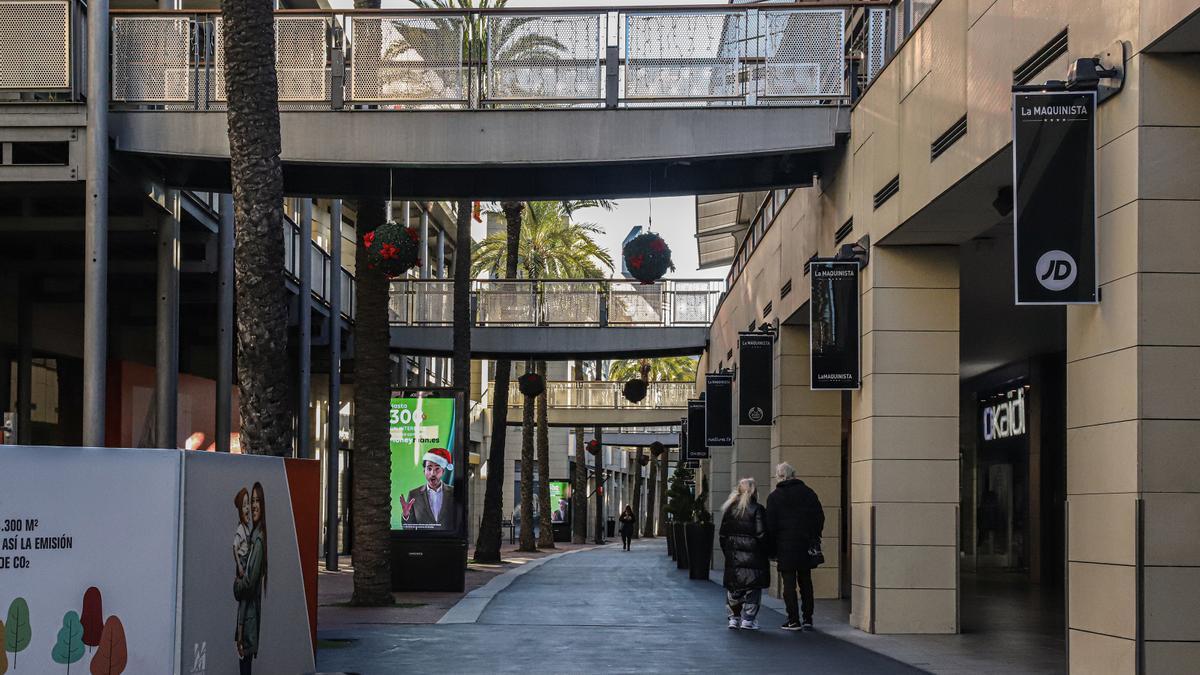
1003, 416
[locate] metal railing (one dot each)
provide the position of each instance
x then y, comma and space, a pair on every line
607, 395
765, 54
322, 268
585, 302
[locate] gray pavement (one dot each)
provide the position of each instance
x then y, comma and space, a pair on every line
596, 611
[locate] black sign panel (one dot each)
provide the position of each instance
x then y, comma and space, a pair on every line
692, 464
755, 379
718, 412
696, 449
1054, 197
834, 338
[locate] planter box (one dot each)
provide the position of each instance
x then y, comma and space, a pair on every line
681, 549
699, 545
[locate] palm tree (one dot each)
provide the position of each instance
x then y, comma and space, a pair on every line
579, 501
487, 544
664, 369
257, 177
549, 246
648, 528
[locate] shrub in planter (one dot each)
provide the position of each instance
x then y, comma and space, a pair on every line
634, 390
531, 384
393, 249
647, 257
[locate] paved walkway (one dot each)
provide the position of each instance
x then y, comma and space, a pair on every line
603, 610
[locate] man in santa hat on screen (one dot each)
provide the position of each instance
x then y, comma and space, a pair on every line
432, 504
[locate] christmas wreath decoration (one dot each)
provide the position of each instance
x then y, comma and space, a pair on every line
593, 446
634, 390
531, 384
657, 449
392, 248
643, 460
647, 257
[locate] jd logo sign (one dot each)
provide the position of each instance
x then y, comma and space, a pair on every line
1054, 197
1056, 270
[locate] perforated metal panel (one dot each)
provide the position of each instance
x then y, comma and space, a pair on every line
804, 53
691, 302
544, 57
876, 41
681, 56
35, 44
151, 59
434, 302
408, 58
301, 59
636, 303
570, 302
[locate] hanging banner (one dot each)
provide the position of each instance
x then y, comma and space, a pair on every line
755, 380
718, 409
834, 338
1054, 197
696, 449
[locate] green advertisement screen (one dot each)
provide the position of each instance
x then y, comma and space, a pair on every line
560, 495
423, 476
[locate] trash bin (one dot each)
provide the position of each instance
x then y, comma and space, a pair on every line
612, 528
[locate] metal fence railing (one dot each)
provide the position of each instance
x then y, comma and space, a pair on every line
591, 395
582, 302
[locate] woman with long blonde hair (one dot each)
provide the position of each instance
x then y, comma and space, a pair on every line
743, 537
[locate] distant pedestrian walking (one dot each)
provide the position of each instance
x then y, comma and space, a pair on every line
627, 525
795, 519
743, 537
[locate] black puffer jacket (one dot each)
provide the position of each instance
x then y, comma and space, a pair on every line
744, 542
795, 519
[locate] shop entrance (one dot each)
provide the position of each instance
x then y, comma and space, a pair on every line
1013, 448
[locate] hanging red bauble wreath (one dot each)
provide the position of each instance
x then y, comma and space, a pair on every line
531, 384
392, 249
647, 257
643, 460
593, 446
657, 449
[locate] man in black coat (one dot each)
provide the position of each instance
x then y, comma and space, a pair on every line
795, 520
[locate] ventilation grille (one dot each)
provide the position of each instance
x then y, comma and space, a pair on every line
753, 325
767, 310
808, 263
887, 191
843, 231
785, 289
1056, 47
729, 354
947, 139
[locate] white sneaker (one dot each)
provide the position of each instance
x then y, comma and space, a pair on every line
749, 625
733, 622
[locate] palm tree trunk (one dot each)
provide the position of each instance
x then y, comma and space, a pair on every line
546, 532
257, 178
527, 540
487, 545
371, 462
637, 488
579, 493
462, 321
651, 489
662, 494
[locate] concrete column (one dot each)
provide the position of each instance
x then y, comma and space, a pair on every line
441, 253
95, 227
904, 445
332, 441
808, 435
166, 362
1133, 413
225, 283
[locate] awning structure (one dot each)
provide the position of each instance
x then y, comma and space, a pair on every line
721, 224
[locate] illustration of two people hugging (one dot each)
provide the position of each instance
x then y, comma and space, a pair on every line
250, 563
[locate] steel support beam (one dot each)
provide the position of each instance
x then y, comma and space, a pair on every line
441, 253
332, 442
166, 360
95, 224
225, 283
304, 381
25, 363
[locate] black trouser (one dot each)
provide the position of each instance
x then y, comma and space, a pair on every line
246, 665
790, 577
626, 538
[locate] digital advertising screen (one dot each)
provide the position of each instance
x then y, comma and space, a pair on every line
560, 501
425, 461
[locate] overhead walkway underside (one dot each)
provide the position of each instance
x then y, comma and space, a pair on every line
553, 343
493, 154
601, 403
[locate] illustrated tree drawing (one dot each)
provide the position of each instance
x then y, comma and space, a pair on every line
93, 617
112, 655
16, 629
68, 648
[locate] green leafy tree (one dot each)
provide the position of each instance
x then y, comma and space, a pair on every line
664, 369
69, 647
680, 502
700, 512
16, 629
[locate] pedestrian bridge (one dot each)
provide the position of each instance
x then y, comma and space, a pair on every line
588, 404
478, 103
557, 320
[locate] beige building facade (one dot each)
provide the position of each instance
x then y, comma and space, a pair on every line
1109, 483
